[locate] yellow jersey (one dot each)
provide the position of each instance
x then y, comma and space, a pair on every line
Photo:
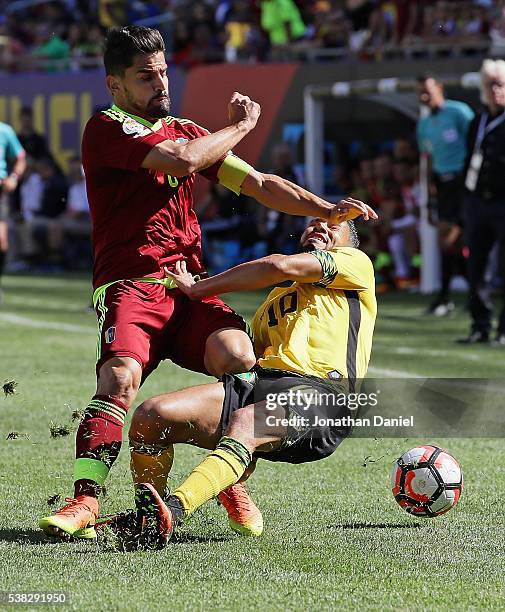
325, 328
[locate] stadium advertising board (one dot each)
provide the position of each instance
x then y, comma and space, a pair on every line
63, 103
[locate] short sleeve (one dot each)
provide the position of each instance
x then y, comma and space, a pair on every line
345, 268
116, 143
467, 112
14, 147
464, 116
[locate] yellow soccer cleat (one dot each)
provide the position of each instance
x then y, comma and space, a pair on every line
244, 516
76, 519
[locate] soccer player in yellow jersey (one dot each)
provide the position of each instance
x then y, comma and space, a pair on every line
313, 340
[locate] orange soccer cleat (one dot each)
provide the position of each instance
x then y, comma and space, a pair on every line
76, 519
243, 514
156, 517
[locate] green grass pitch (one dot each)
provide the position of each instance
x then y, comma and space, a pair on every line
334, 536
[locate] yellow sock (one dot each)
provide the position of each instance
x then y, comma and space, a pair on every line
152, 464
219, 470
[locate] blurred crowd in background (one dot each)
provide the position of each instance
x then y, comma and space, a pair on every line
49, 219
67, 34
49, 216
386, 176
50, 225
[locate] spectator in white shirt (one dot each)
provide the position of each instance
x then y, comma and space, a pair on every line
75, 220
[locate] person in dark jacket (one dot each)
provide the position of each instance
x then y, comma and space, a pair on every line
486, 201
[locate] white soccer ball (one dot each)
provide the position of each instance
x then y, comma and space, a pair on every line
426, 481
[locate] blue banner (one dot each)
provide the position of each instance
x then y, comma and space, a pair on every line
62, 103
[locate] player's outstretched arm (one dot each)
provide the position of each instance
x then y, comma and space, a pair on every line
275, 192
182, 159
264, 272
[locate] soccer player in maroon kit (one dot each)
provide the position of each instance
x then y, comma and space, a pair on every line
140, 166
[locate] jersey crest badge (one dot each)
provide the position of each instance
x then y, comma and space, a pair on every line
130, 126
248, 377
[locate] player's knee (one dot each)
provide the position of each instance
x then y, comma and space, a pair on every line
119, 380
148, 422
236, 363
229, 351
231, 360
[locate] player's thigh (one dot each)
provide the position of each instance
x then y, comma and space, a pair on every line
201, 320
131, 320
249, 413
190, 415
258, 428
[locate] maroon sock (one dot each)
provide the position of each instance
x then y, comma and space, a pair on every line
99, 437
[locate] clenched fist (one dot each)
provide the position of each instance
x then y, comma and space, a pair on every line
242, 108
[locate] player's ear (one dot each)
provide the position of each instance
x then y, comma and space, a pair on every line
113, 84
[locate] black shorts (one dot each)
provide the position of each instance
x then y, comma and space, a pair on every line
450, 196
304, 442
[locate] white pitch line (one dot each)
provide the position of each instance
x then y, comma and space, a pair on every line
60, 306
393, 373
406, 350
461, 383
81, 329
39, 324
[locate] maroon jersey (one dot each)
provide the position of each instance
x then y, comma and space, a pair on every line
142, 219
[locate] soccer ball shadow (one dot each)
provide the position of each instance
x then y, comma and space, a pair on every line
376, 526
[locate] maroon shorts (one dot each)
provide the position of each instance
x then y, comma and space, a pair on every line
150, 323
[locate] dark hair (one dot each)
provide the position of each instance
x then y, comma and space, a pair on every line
26, 110
122, 44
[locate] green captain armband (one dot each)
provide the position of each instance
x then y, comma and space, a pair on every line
232, 173
328, 266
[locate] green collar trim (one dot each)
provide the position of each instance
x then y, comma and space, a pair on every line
154, 126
